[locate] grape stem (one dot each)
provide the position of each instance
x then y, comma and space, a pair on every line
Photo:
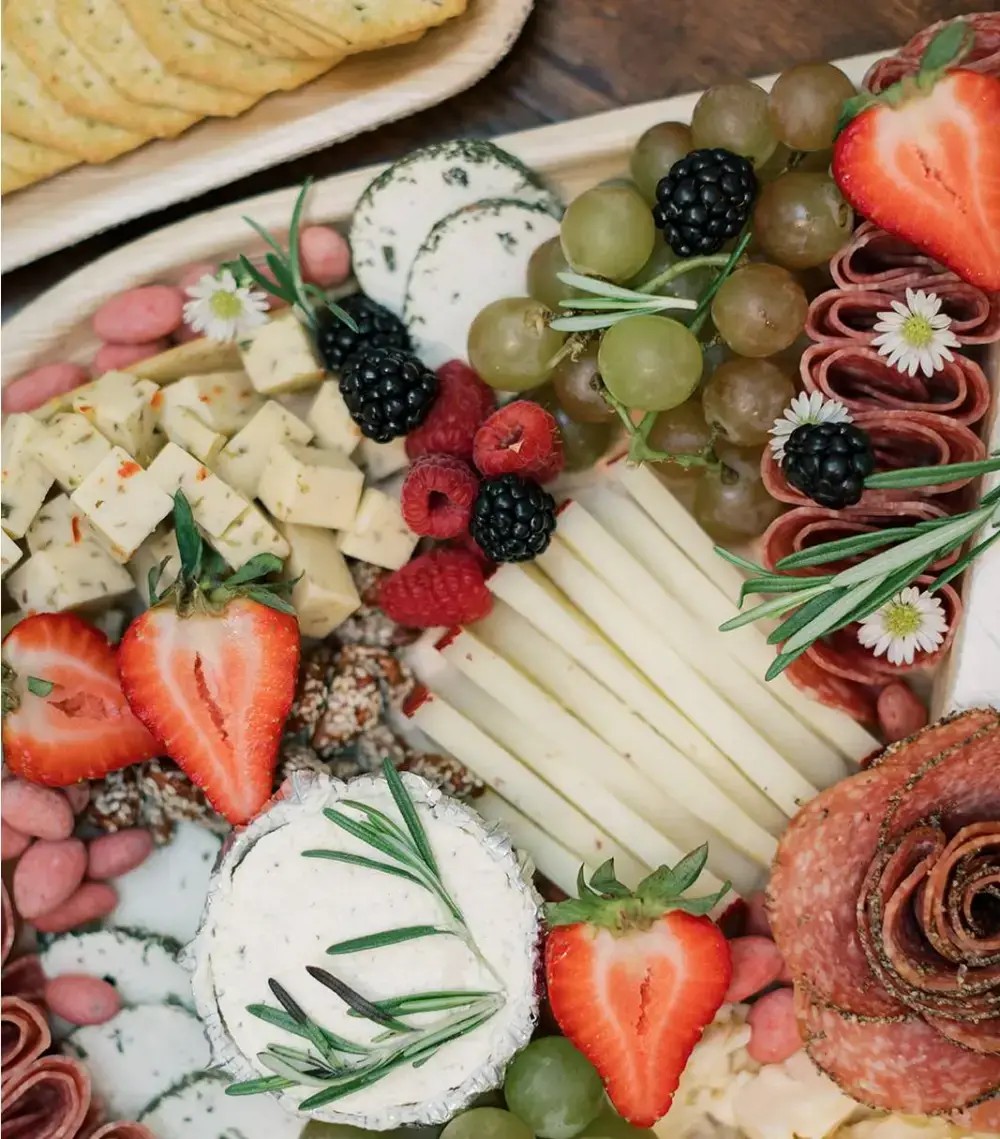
672, 272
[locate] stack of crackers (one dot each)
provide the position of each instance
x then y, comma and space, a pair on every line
88, 80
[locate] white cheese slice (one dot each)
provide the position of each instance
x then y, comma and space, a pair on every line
399, 208
305, 904
139, 1054
158, 547
280, 356
58, 523
142, 967
215, 505
124, 409
380, 460
198, 1108
182, 426
244, 457
324, 595
470, 259
329, 418
122, 503
310, 486
252, 533
223, 401
67, 577
69, 446
25, 481
378, 535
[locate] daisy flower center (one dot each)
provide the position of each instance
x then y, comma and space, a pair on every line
917, 330
225, 305
902, 620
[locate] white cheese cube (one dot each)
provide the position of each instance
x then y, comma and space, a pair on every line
124, 409
69, 446
59, 523
380, 460
224, 401
242, 460
25, 481
251, 533
215, 505
181, 426
65, 577
280, 356
122, 503
329, 418
159, 547
311, 486
10, 552
325, 594
378, 535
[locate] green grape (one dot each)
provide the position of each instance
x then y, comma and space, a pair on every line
744, 397
583, 443
777, 164
801, 219
511, 345
656, 151
487, 1123
553, 1088
734, 115
805, 105
732, 503
608, 231
578, 386
610, 1125
545, 264
650, 362
759, 310
681, 431
621, 180
816, 161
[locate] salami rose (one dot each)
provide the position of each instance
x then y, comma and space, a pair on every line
983, 56
852, 313
47, 1100
25, 1035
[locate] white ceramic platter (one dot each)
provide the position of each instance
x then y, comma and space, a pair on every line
360, 94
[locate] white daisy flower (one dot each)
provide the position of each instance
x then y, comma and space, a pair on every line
805, 408
222, 309
916, 335
912, 621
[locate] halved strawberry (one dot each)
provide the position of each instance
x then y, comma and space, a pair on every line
921, 160
211, 671
634, 978
65, 715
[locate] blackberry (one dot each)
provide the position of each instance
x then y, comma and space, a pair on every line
829, 462
513, 518
377, 328
704, 200
388, 392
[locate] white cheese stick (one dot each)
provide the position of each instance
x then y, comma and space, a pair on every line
551, 858
822, 732
662, 813
742, 717
531, 594
591, 800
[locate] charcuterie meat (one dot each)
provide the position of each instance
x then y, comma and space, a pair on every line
48, 1100
7, 927
23, 977
874, 259
833, 691
25, 1036
122, 1131
984, 55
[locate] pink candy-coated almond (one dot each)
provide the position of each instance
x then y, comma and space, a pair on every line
82, 999
324, 255
78, 795
757, 915
112, 855
13, 843
113, 357
757, 963
33, 388
900, 711
47, 874
140, 315
33, 810
774, 1032
193, 274
92, 901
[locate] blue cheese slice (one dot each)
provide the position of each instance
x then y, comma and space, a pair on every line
470, 259
215, 505
400, 207
69, 446
198, 1108
242, 460
378, 535
223, 401
280, 356
25, 482
324, 594
265, 883
122, 503
311, 486
68, 577
10, 553
124, 410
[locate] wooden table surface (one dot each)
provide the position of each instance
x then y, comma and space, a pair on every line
576, 57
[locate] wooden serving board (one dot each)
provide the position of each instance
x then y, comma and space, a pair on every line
360, 94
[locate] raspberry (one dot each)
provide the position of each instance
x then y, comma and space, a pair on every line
443, 587
519, 439
463, 402
437, 496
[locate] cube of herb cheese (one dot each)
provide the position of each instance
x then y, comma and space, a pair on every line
311, 486
224, 401
122, 503
214, 504
10, 553
324, 595
380, 460
25, 481
124, 410
251, 534
183, 427
329, 418
69, 446
65, 577
280, 356
159, 547
378, 535
242, 460
59, 523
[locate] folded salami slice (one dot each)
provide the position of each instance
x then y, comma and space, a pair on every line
984, 55
24, 977
8, 929
899, 439
856, 700
25, 1036
48, 1100
852, 313
874, 259
985, 1117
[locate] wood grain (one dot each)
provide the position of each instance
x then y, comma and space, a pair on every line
576, 57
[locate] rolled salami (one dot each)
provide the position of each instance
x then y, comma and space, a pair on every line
46, 1100
983, 56
23, 977
26, 1036
8, 929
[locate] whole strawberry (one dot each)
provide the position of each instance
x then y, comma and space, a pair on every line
634, 979
211, 671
